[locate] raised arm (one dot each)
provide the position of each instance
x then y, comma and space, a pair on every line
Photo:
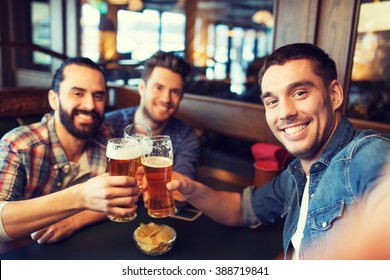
102, 193
223, 207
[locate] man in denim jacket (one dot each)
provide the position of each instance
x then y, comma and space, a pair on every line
334, 171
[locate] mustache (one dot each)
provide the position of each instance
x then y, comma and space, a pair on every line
93, 113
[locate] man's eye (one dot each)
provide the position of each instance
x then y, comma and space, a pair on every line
300, 93
270, 103
99, 97
176, 92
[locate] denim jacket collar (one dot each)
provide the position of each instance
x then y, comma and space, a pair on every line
343, 134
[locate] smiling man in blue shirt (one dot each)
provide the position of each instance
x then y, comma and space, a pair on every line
335, 167
161, 89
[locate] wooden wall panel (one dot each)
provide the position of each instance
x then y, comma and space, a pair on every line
233, 118
295, 21
336, 31
237, 119
16, 102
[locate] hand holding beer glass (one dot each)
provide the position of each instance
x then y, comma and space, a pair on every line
123, 159
157, 160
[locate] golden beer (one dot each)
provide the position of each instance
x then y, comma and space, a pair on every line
126, 167
122, 160
158, 171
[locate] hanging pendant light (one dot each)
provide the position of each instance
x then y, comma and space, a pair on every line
263, 17
135, 5
118, 2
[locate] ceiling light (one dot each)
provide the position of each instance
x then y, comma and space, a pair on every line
135, 5
263, 17
118, 2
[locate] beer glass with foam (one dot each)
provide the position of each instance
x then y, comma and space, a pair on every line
123, 159
138, 131
157, 160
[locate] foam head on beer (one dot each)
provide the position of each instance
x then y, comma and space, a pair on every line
123, 156
122, 159
123, 149
146, 146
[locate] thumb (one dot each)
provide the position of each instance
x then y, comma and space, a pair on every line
174, 185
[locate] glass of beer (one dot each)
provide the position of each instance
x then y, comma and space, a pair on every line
157, 160
138, 131
123, 159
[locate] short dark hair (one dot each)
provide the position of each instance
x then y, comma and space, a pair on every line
169, 60
323, 65
80, 61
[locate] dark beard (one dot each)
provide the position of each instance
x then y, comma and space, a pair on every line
86, 131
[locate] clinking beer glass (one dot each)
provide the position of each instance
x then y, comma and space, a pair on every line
122, 159
157, 160
137, 131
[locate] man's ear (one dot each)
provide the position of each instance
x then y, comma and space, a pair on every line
336, 94
141, 87
53, 99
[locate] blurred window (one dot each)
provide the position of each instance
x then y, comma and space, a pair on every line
138, 33
172, 31
369, 92
229, 37
40, 22
90, 16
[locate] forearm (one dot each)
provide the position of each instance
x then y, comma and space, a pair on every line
20, 218
223, 207
86, 218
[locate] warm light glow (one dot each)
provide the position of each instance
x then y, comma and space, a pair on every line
118, 2
374, 17
135, 5
263, 17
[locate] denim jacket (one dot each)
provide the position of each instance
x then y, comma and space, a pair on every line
344, 174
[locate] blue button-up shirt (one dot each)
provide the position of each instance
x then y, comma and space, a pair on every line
340, 179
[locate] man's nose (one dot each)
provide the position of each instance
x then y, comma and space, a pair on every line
287, 109
88, 102
166, 95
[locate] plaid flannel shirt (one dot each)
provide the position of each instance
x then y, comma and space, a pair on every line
34, 164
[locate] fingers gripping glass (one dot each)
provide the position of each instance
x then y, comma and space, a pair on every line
123, 159
157, 160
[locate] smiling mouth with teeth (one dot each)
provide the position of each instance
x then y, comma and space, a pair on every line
295, 129
85, 117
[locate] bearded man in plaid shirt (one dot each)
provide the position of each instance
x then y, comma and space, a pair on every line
52, 173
